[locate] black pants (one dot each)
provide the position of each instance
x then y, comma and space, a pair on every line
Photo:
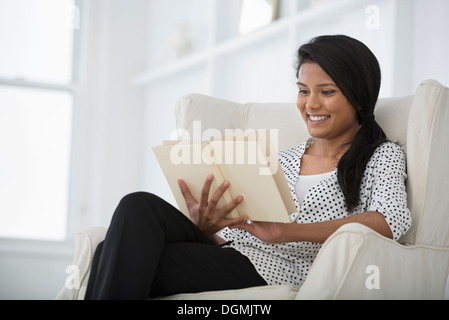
151, 249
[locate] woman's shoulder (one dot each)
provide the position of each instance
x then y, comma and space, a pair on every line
295, 151
389, 154
390, 149
290, 160
298, 149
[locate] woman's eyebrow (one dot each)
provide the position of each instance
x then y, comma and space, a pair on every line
326, 85
319, 85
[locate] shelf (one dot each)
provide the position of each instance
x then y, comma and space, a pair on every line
194, 60
168, 70
284, 25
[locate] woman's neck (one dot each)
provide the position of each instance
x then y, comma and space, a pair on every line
323, 148
332, 148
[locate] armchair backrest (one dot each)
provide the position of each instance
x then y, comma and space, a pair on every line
419, 123
427, 158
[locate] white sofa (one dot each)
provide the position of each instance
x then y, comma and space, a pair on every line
355, 262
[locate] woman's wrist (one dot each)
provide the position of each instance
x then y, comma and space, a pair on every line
291, 233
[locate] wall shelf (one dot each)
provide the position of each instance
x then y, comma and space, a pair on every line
172, 69
287, 26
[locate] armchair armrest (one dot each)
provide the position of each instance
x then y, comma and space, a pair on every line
358, 263
85, 244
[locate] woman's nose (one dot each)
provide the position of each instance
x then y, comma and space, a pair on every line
313, 102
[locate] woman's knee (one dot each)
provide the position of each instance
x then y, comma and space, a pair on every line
139, 197
137, 205
148, 209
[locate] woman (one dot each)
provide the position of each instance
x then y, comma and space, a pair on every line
347, 172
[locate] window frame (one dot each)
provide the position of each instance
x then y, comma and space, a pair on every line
60, 248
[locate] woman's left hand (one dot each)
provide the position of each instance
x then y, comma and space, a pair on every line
271, 232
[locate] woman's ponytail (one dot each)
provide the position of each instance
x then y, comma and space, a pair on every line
352, 164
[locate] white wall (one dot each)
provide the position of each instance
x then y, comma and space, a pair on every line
430, 46
107, 143
33, 271
111, 107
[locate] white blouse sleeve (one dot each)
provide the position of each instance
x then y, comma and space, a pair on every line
388, 190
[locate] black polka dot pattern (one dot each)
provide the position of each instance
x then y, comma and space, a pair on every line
382, 190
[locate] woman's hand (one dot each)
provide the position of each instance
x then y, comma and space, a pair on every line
271, 232
204, 213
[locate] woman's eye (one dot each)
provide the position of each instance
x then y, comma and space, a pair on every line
303, 92
328, 92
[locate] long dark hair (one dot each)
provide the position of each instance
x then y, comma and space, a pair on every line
356, 72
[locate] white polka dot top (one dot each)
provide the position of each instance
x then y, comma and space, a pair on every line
382, 190
307, 182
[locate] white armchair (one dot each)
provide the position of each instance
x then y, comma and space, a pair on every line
355, 262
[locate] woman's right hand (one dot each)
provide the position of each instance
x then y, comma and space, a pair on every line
204, 213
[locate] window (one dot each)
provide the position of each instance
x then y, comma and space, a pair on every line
36, 107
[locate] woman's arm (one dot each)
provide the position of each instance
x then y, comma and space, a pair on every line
313, 232
320, 231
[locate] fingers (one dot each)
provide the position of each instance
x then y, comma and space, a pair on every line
238, 223
242, 225
218, 194
232, 205
185, 192
211, 204
205, 191
190, 200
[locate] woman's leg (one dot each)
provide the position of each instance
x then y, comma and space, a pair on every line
187, 267
127, 263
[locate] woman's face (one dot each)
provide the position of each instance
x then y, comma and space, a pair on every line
324, 108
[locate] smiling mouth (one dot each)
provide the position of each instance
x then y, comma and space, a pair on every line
318, 118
